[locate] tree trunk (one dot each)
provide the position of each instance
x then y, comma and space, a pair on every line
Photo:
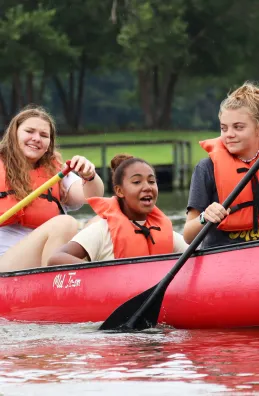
14, 95
63, 98
3, 109
17, 96
73, 99
13, 99
146, 97
71, 95
156, 94
29, 88
42, 87
80, 92
164, 120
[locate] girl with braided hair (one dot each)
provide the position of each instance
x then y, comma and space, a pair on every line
128, 224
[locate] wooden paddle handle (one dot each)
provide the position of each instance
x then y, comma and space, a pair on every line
34, 194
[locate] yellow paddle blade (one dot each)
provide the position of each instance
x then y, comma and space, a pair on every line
34, 194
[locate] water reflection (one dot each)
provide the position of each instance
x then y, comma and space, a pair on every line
187, 360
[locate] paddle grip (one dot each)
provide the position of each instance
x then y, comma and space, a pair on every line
67, 169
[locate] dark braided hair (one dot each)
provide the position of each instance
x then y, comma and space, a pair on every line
118, 165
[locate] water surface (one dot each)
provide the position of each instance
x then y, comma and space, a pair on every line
35, 359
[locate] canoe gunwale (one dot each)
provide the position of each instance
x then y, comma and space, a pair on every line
134, 260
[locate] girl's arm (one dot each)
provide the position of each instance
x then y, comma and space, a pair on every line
86, 245
202, 193
214, 213
80, 190
71, 253
179, 243
192, 226
90, 185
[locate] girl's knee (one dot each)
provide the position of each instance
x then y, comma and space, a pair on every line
66, 221
63, 223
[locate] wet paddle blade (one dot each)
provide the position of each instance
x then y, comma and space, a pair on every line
127, 318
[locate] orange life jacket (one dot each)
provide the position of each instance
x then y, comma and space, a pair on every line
128, 239
228, 171
40, 210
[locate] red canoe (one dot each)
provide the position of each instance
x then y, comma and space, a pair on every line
216, 288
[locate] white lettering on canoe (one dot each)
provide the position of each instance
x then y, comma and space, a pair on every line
67, 280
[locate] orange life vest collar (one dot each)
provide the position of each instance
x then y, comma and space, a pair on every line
39, 210
228, 171
128, 239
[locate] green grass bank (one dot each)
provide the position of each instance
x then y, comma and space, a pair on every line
160, 154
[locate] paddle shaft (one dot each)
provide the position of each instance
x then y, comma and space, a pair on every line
163, 284
34, 194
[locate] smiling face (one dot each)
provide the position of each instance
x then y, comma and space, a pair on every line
33, 137
138, 191
239, 133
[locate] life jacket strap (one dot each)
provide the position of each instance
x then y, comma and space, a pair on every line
146, 231
254, 203
4, 194
48, 196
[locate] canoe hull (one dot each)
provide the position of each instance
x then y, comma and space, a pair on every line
218, 289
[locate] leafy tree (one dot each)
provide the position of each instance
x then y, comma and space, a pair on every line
86, 23
167, 40
29, 46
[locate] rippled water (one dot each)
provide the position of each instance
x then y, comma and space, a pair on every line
35, 359
78, 359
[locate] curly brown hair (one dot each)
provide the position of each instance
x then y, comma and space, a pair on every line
16, 165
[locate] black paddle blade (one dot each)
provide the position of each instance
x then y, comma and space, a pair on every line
134, 315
